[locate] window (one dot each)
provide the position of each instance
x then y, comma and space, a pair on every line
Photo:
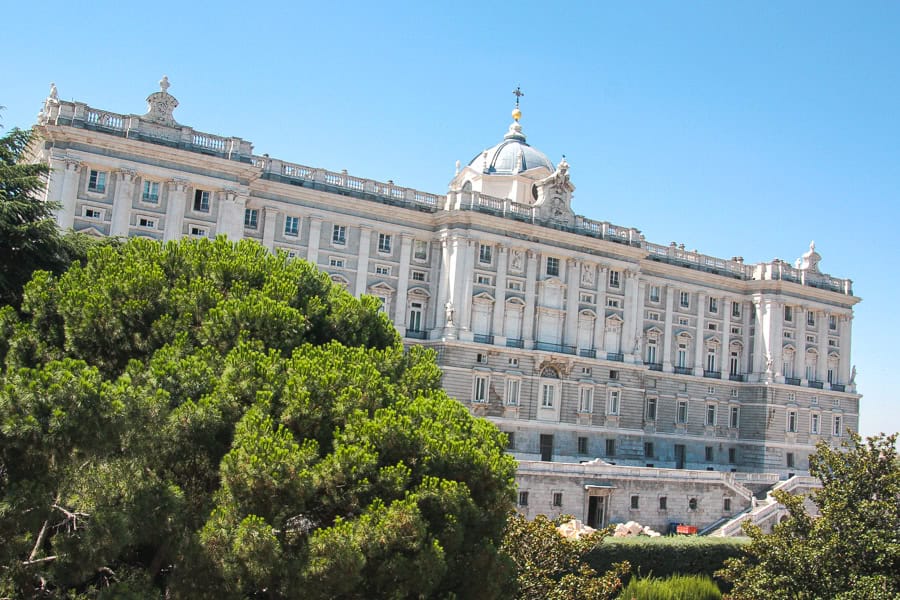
553, 266
735, 309
654, 293
651, 409
610, 447
612, 405
726, 505
514, 284
614, 374
792, 421
681, 356
291, 225
586, 400
586, 298
582, 445
479, 393
713, 305
810, 318
384, 243
151, 192
685, 299
198, 231
811, 339
682, 412
788, 313
789, 460
147, 223
736, 330
612, 303
92, 213
635, 502
513, 361
481, 358
548, 395
684, 321
512, 392
557, 499
651, 351
832, 343
523, 498
382, 270
663, 501
830, 375
692, 504
711, 359
708, 454
97, 181
792, 397
251, 218
652, 315
735, 419
339, 235
648, 449
734, 393
420, 250
201, 200
415, 317
418, 275
832, 322
586, 371
836, 429
614, 277
336, 262
485, 254
814, 423
711, 415
483, 280
814, 400
712, 326
732, 455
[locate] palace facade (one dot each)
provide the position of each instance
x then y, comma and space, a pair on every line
635, 380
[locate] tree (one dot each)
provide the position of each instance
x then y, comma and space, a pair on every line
548, 565
850, 551
203, 419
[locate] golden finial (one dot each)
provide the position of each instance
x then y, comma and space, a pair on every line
516, 113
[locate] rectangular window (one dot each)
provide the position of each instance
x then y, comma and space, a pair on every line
420, 250
726, 505
685, 299
681, 356
548, 395
814, 423
201, 200
610, 447
151, 192
198, 231
582, 445
663, 501
810, 318
732, 455
481, 358
586, 400
339, 235
484, 280
612, 303
553, 266
830, 375
512, 392
557, 499
792, 397
479, 392
651, 409
792, 421
651, 352
147, 223
251, 218
586, 298
336, 262
832, 322
788, 313
513, 284
683, 321
384, 243
648, 449
635, 502
612, 406
485, 254
97, 181
614, 277
652, 315
523, 498
92, 213
836, 430
735, 417
291, 225
711, 415
513, 361
586, 371
735, 309
654, 293
789, 460
682, 412
708, 454
382, 270
418, 275
614, 374
415, 317
713, 305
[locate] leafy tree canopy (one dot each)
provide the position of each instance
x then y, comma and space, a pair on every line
851, 551
207, 420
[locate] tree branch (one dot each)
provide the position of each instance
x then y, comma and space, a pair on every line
39, 541
37, 561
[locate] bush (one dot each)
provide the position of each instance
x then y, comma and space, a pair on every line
677, 587
667, 556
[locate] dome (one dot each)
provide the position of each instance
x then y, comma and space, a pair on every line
512, 155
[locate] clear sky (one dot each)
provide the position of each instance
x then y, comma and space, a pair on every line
735, 128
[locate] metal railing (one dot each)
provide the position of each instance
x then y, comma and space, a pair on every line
515, 343
737, 377
483, 338
792, 380
712, 374
417, 335
655, 366
588, 353
615, 356
547, 347
816, 384
684, 371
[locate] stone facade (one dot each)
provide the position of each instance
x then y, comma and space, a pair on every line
579, 338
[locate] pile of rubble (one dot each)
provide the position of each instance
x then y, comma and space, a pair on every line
575, 529
633, 528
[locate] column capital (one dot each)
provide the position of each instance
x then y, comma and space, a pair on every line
502, 249
572, 262
531, 254
73, 164
179, 185
407, 237
126, 174
270, 210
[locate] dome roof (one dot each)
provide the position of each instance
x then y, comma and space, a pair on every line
512, 155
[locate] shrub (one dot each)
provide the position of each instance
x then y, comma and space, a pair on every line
677, 587
666, 556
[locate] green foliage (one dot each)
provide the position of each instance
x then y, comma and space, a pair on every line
203, 419
676, 587
851, 551
667, 555
550, 566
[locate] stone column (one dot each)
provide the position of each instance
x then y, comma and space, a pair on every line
822, 346
600, 322
270, 218
573, 279
68, 195
699, 344
844, 322
467, 275
230, 221
362, 264
745, 337
800, 342
315, 237
776, 339
629, 314
668, 331
121, 210
175, 205
444, 284
530, 298
725, 350
400, 311
759, 340
500, 296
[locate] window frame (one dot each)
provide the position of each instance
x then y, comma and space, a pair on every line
613, 402
147, 194
480, 386
385, 243
251, 218
338, 235
202, 200
294, 230
97, 181
552, 266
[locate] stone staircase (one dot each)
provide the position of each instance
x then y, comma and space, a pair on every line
765, 511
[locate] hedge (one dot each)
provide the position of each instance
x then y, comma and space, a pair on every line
677, 587
668, 555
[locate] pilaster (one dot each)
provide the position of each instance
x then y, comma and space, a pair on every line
362, 264
175, 205
699, 344
121, 210
500, 295
270, 218
573, 274
668, 331
725, 350
400, 308
315, 238
530, 298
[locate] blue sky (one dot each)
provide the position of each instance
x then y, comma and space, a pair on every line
736, 128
